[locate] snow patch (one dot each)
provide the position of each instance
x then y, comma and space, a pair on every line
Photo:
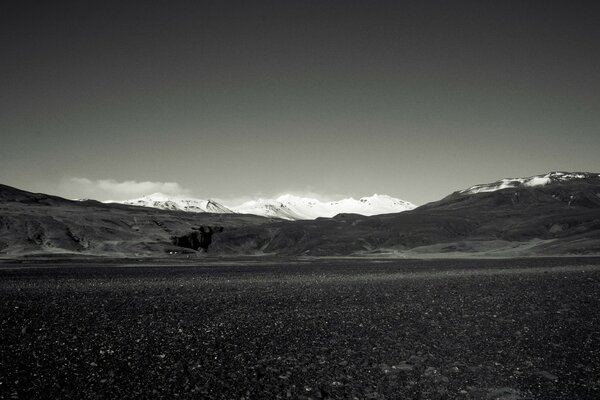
537, 181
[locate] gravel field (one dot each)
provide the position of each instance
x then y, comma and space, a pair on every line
301, 329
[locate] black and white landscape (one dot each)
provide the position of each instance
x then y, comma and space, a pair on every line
99, 302
302, 199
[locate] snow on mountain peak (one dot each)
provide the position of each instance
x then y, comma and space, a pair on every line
295, 207
532, 181
166, 202
286, 206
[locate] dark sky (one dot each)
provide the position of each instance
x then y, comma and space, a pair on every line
414, 99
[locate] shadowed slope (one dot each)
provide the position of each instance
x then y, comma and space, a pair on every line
38, 223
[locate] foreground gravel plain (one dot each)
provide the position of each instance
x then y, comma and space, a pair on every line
301, 329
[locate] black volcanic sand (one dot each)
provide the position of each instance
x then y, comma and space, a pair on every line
341, 329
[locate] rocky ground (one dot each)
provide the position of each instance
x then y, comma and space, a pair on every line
350, 329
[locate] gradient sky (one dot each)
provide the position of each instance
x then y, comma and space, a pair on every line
221, 99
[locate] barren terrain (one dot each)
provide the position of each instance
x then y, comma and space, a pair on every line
267, 329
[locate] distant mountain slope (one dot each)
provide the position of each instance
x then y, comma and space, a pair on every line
166, 202
298, 208
532, 181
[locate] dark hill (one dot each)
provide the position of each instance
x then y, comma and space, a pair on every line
35, 223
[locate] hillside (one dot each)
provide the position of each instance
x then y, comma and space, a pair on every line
558, 217
552, 217
34, 223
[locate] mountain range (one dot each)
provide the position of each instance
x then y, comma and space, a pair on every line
165, 202
288, 207
551, 214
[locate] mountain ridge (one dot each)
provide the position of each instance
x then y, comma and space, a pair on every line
287, 206
176, 203
304, 208
531, 181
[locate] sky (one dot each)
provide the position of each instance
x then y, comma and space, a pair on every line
239, 99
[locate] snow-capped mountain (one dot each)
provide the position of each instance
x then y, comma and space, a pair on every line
295, 207
286, 206
165, 202
537, 180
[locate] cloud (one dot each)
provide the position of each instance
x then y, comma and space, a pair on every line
111, 189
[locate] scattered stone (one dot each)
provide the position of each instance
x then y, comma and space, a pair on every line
403, 366
286, 375
504, 393
415, 360
546, 375
385, 368
241, 339
321, 393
